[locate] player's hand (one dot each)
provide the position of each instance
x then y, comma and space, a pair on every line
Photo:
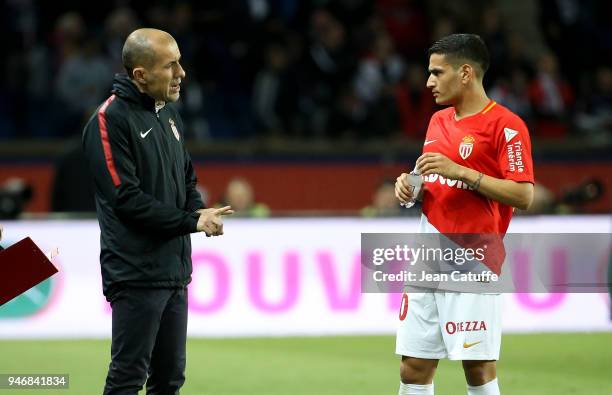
436, 163
403, 190
211, 220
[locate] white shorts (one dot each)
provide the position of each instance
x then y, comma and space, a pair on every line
453, 325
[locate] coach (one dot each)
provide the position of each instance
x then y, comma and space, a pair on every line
147, 205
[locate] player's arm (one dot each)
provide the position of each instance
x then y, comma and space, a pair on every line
114, 172
513, 193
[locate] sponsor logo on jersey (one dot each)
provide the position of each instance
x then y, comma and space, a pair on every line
446, 181
174, 129
515, 157
510, 133
466, 147
465, 326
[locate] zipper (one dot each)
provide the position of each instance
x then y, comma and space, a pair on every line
168, 150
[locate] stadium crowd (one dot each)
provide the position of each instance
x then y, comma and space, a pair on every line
338, 70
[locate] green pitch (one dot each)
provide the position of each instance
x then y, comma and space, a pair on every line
559, 364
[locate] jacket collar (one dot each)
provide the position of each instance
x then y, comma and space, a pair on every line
125, 88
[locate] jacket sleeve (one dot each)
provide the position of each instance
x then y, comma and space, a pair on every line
194, 199
107, 147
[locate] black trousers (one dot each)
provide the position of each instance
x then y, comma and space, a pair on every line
149, 341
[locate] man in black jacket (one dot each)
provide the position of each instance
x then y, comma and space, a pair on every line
147, 206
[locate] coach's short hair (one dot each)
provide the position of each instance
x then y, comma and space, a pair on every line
137, 51
459, 48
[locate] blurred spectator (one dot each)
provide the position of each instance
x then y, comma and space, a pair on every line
407, 24
544, 201
517, 57
564, 26
68, 35
595, 117
414, 102
84, 80
72, 188
239, 194
39, 89
384, 202
513, 92
349, 116
275, 92
119, 23
328, 67
225, 58
573, 198
375, 84
18, 34
81, 74
443, 26
570, 200
15, 193
495, 37
552, 98
353, 14
379, 71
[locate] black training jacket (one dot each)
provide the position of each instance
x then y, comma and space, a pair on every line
145, 190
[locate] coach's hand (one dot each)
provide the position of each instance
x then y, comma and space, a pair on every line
435, 163
211, 220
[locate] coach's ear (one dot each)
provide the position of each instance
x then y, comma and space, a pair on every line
139, 74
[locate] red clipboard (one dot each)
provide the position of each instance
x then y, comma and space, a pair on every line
22, 266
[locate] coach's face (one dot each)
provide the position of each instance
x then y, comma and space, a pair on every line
444, 80
164, 76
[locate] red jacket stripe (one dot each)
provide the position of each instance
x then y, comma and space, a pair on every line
108, 154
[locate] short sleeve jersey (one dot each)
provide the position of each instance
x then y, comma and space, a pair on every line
495, 142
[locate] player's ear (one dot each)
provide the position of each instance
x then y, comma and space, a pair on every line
466, 72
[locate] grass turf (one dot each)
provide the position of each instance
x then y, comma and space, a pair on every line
542, 364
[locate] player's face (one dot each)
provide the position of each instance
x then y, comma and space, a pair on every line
165, 75
444, 80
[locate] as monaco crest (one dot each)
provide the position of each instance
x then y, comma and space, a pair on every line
174, 129
466, 147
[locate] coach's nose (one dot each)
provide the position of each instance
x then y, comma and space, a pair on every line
180, 73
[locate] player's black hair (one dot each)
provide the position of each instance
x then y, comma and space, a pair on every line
461, 47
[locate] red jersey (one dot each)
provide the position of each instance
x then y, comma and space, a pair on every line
494, 142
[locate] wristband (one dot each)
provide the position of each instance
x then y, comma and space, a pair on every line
476, 184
